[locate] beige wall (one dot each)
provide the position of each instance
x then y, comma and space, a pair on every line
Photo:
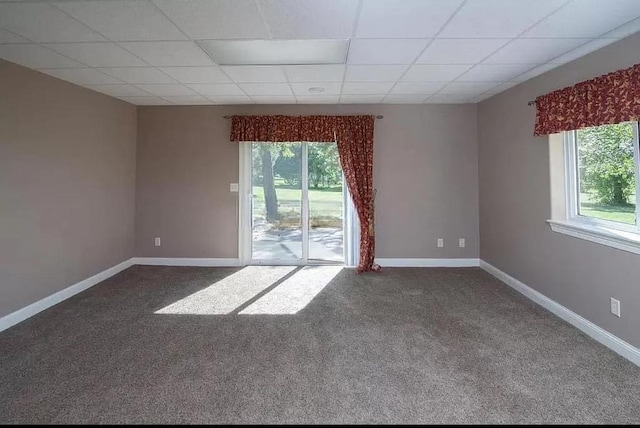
67, 184
515, 202
425, 170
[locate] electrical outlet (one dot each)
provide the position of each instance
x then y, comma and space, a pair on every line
615, 307
233, 187
461, 243
156, 242
440, 242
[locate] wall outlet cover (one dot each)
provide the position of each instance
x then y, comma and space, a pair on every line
615, 307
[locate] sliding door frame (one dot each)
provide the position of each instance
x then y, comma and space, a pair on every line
245, 231
245, 215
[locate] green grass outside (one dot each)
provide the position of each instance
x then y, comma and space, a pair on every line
620, 213
325, 205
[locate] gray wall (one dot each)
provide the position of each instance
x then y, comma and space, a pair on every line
515, 203
425, 170
67, 184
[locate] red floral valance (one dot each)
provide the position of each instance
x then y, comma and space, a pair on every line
280, 128
607, 99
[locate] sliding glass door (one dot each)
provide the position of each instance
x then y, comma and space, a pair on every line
276, 195
296, 203
325, 203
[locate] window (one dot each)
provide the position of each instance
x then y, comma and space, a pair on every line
595, 185
603, 176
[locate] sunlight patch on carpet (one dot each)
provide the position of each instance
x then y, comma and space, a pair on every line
295, 292
229, 293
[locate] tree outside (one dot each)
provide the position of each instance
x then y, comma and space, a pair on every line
607, 172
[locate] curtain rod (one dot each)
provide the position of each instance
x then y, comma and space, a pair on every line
229, 117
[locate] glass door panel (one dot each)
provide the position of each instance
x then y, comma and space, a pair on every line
326, 211
276, 179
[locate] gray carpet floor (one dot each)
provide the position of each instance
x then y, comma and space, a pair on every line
406, 345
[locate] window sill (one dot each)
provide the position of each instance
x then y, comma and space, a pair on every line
626, 241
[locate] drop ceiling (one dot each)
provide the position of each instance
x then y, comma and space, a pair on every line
146, 52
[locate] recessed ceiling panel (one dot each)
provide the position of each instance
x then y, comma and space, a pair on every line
276, 52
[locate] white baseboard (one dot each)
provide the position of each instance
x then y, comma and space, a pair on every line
206, 262
179, 261
428, 262
612, 342
39, 306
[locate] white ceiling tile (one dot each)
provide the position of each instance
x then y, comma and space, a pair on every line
533, 51
318, 99
255, 74
166, 54
41, 22
81, 76
188, 100
460, 51
497, 18
449, 99
407, 18
361, 99
315, 73
225, 100
503, 87
220, 19
123, 19
35, 56
309, 19
97, 54
385, 51
138, 75
166, 90
500, 88
366, 88
534, 72
145, 101
417, 88
9, 37
624, 30
586, 18
434, 73
473, 88
494, 72
481, 97
266, 89
197, 74
302, 89
374, 73
120, 90
583, 50
404, 99
135, 75
217, 89
270, 99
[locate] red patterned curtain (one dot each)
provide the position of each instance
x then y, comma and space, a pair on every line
607, 99
354, 137
355, 147
265, 128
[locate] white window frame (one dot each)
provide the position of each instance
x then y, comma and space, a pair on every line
572, 185
606, 232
